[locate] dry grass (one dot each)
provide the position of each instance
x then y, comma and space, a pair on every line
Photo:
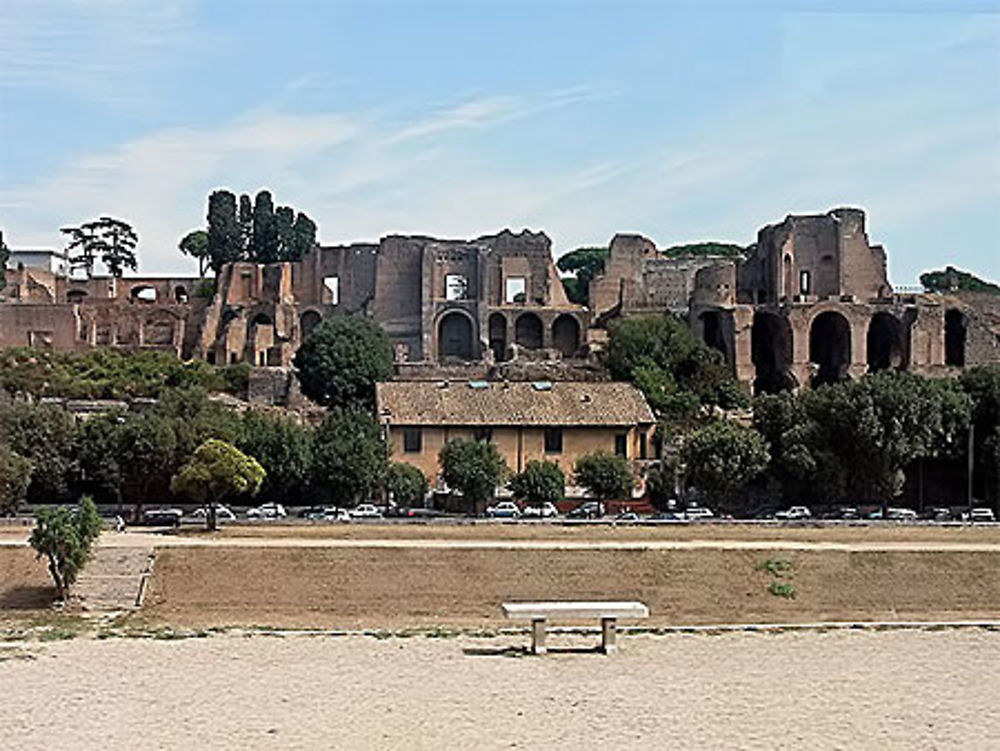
413, 587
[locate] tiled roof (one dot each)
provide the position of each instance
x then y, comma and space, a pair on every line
511, 403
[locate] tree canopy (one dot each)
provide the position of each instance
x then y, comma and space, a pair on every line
474, 468
607, 476
584, 264
215, 472
195, 244
15, 474
349, 457
951, 279
540, 482
405, 484
66, 537
705, 249
111, 240
724, 456
255, 231
341, 360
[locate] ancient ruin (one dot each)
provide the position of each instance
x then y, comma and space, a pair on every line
809, 304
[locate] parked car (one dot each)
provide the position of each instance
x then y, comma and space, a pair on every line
162, 517
504, 510
334, 514
794, 513
981, 514
545, 511
669, 516
365, 511
901, 514
222, 513
938, 514
627, 517
587, 510
698, 513
267, 511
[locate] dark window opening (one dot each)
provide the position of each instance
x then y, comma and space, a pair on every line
621, 445
412, 440
483, 435
955, 325
642, 446
553, 440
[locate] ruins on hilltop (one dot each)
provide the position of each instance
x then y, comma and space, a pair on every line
809, 304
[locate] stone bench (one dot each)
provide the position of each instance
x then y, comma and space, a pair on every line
541, 612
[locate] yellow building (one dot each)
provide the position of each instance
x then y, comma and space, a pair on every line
557, 421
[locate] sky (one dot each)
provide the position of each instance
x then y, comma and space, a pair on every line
684, 121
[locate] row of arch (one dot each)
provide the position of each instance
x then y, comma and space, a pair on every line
139, 293
830, 346
457, 337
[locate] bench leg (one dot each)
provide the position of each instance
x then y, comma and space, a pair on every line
538, 636
609, 635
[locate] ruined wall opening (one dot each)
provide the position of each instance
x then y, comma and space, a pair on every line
498, 336
528, 331
456, 287
76, 296
788, 281
516, 290
181, 294
566, 335
712, 332
331, 293
143, 293
158, 331
308, 321
830, 348
455, 337
955, 330
771, 352
885, 344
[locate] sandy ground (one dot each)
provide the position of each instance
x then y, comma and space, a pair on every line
857, 690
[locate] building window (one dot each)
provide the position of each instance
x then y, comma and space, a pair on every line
804, 283
412, 443
456, 287
621, 444
553, 441
642, 445
516, 289
332, 284
483, 435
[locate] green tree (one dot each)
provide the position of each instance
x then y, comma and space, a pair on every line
264, 243
80, 248
4, 255
723, 457
245, 220
584, 264
349, 457
303, 237
195, 244
284, 449
15, 475
341, 360
406, 484
982, 384
541, 482
705, 249
66, 537
46, 436
955, 280
118, 242
225, 239
474, 468
217, 471
607, 476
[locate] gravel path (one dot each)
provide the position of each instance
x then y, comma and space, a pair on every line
885, 690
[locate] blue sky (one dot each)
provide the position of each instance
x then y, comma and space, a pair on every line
683, 121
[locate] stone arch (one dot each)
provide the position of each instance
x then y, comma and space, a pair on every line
956, 326
830, 347
498, 336
713, 332
528, 331
771, 340
566, 335
885, 343
308, 321
456, 336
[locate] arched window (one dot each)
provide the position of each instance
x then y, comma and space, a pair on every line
528, 331
566, 335
455, 337
830, 347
